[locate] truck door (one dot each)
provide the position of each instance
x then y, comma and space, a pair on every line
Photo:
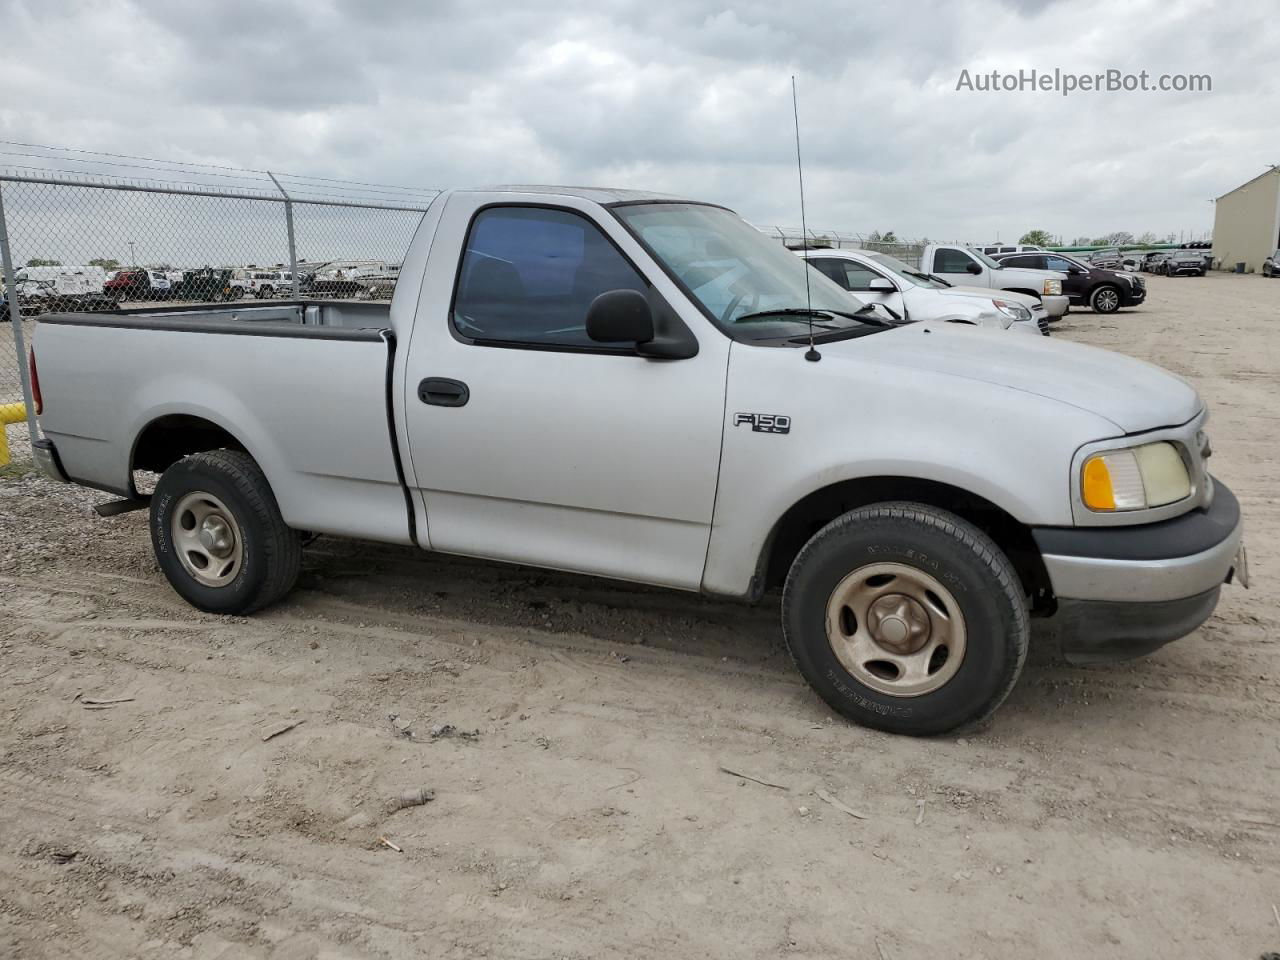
530, 442
958, 268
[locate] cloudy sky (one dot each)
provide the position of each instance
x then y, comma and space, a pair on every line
690, 97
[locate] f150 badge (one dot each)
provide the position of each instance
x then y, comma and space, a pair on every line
764, 422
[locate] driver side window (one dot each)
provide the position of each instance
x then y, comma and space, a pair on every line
951, 260
858, 277
528, 275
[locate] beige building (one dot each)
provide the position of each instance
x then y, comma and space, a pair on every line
1246, 222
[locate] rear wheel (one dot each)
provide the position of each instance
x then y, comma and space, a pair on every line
906, 618
218, 534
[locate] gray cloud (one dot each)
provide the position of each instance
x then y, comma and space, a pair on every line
691, 98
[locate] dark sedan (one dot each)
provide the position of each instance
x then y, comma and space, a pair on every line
1105, 291
1271, 265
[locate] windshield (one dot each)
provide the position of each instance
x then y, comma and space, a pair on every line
907, 273
735, 272
985, 259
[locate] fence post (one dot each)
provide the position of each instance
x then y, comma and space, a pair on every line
15, 321
288, 222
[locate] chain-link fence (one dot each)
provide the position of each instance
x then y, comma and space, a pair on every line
908, 251
96, 243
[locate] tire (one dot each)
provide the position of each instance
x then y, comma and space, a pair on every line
909, 543
1104, 299
262, 562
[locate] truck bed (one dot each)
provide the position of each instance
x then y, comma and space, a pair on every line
302, 386
300, 318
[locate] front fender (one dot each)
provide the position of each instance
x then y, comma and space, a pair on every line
854, 420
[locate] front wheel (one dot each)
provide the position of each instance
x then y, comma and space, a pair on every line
906, 618
1105, 299
218, 534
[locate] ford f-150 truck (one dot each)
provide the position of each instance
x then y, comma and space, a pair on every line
646, 388
965, 266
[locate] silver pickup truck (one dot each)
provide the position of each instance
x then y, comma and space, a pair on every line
646, 388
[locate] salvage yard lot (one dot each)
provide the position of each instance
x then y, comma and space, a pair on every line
582, 808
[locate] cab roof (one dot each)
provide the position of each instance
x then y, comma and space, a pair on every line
601, 195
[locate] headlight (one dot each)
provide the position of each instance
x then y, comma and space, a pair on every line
1052, 288
1015, 311
1134, 478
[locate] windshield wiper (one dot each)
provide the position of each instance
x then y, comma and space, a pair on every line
866, 314
862, 314
786, 312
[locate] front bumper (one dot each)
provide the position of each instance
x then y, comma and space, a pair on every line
1124, 591
1133, 296
1103, 631
1056, 306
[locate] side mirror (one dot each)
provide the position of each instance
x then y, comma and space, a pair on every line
620, 316
881, 285
1075, 271
974, 268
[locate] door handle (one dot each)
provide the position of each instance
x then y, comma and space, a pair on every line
443, 392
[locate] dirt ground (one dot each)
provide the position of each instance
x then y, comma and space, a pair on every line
581, 809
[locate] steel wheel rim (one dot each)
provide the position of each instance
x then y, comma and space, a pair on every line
1108, 300
896, 629
207, 539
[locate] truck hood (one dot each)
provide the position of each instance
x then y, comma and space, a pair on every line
987, 294
1132, 394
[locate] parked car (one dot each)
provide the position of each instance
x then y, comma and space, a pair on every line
917, 491
36, 297
877, 278
1152, 261
1271, 265
1184, 262
264, 284
1106, 259
963, 266
207, 284
138, 284
1103, 291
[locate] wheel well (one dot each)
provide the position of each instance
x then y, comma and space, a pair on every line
168, 439
794, 529
1029, 293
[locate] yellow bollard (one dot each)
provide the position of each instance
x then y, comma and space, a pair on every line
9, 413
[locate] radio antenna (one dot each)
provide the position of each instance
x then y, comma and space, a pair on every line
812, 353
